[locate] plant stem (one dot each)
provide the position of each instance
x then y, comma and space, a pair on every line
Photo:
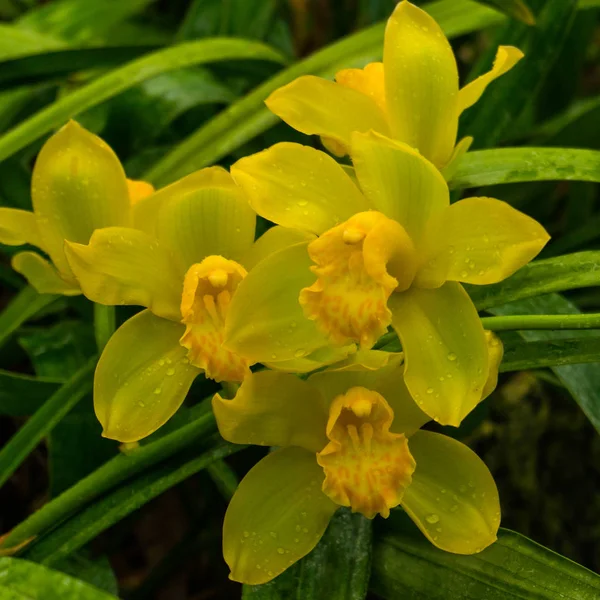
524, 322
104, 324
107, 476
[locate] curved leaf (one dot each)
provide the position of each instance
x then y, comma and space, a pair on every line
118, 80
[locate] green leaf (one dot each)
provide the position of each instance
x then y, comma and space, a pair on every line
22, 395
115, 506
45, 66
25, 305
95, 571
513, 8
578, 270
582, 381
507, 98
513, 165
337, 569
248, 117
15, 41
406, 565
107, 86
111, 474
80, 20
549, 353
45, 418
24, 580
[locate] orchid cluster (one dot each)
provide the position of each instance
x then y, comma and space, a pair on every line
361, 244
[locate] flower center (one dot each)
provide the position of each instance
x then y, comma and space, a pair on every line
366, 466
358, 265
207, 291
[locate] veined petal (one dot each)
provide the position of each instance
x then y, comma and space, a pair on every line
445, 351
138, 190
421, 83
41, 275
126, 266
399, 182
317, 359
274, 239
457, 155
452, 498
78, 185
142, 377
19, 227
387, 381
298, 187
265, 322
368, 81
210, 220
276, 516
480, 241
273, 409
314, 105
506, 58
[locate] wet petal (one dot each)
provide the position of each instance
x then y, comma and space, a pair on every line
273, 409
506, 58
495, 353
314, 105
142, 377
299, 187
453, 498
138, 190
276, 516
399, 182
127, 266
212, 219
274, 239
19, 227
78, 185
42, 275
368, 81
317, 359
265, 322
480, 241
421, 83
445, 351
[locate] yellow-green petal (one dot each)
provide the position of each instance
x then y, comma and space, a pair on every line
213, 219
78, 185
126, 266
479, 241
299, 187
274, 239
19, 227
421, 83
506, 58
495, 353
274, 409
321, 357
42, 275
276, 516
445, 350
142, 377
387, 381
399, 182
314, 105
452, 498
457, 155
265, 322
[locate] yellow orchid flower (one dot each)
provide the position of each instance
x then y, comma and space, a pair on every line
348, 437
191, 245
412, 96
78, 186
391, 251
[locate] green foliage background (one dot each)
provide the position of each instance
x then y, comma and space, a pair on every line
177, 85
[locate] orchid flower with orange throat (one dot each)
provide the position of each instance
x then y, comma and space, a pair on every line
78, 186
347, 437
191, 246
388, 248
413, 96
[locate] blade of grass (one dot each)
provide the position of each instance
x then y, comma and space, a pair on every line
118, 80
44, 419
104, 324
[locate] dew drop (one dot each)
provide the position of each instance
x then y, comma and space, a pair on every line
170, 372
430, 390
452, 356
432, 518
157, 391
280, 551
